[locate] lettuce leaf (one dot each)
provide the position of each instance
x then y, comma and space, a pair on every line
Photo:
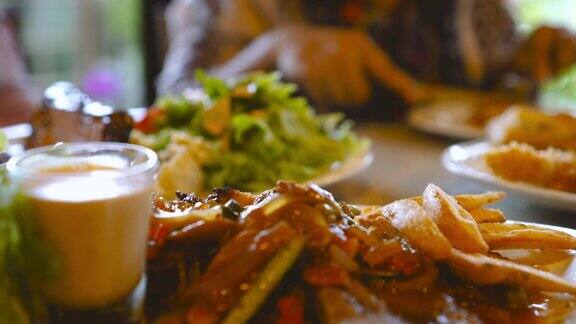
3, 142
24, 260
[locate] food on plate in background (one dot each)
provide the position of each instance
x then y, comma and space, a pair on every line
479, 106
534, 147
487, 109
245, 134
294, 255
68, 115
459, 113
551, 168
538, 129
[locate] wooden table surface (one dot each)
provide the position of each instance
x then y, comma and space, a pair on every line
405, 161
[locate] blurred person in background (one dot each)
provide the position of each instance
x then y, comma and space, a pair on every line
358, 54
15, 103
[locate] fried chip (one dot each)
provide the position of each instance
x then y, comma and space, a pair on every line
417, 199
366, 210
382, 251
410, 219
485, 270
487, 215
453, 220
522, 236
471, 202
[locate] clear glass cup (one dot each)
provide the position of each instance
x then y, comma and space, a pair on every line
90, 204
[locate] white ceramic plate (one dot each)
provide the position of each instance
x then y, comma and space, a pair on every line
345, 169
446, 118
465, 159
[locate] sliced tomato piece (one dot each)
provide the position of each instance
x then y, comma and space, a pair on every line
150, 123
291, 310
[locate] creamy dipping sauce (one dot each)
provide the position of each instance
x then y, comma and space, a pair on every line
97, 226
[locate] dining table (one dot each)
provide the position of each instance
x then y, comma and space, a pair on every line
406, 160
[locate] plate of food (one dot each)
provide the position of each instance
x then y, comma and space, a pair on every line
445, 118
295, 255
458, 114
246, 133
528, 151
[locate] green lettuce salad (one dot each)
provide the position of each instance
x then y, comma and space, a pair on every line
24, 260
246, 134
3, 142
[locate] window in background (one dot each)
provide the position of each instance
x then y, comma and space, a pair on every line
92, 43
533, 13
560, 93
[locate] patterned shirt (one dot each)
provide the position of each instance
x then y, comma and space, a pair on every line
461, 42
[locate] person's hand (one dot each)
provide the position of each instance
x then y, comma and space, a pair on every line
546, 53
335, 66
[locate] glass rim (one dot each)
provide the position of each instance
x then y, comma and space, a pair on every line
15, 169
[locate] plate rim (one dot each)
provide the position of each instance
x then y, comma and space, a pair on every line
416, 120
353, 165
527, 189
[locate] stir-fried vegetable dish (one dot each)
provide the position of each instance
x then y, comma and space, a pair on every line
294, 255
